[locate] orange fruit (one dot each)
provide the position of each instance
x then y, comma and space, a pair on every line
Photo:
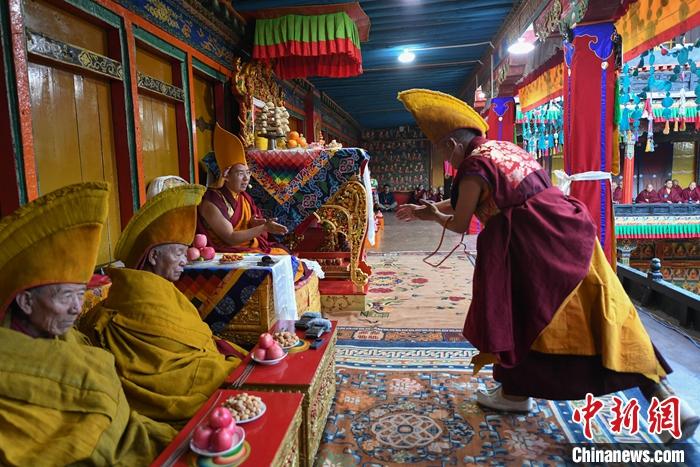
292, 143
302, 141
293, 135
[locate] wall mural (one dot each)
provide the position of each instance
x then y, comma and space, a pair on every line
680, 261
400, 157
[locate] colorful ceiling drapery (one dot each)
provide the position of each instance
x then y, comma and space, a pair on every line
670, 19
543, 86
303, 46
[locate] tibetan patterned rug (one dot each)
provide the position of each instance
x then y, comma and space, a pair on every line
412, 401
405, 292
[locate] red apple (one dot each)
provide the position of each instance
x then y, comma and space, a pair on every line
221, 440
200, 241
220, 418
207, 253
274, 352
259, 354
265, 341
202, 436
193, 254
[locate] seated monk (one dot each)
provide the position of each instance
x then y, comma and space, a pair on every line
228, 215
166, 356
61, 401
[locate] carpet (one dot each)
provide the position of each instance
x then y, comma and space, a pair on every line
413, 402
405, 292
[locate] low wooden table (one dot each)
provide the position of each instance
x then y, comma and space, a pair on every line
309, 372
273, 438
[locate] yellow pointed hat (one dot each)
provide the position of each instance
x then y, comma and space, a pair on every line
54, 239
438, 114
228, 149
168, 217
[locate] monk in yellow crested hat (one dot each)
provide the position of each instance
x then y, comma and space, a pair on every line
54, 239
47, 372
438, 114
166, 356
228, 151
539, 268
170, 217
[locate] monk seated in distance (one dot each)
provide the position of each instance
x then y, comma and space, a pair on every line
167, 358
228, 215
61, 401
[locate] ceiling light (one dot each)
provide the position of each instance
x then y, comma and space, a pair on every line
407, 56
521, 47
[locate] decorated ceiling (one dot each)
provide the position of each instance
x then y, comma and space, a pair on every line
395, 25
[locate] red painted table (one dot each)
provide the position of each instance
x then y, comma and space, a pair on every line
309, 372
273, 439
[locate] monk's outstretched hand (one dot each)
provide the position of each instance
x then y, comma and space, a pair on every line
275, 228
425, 212
406, 212
257, 221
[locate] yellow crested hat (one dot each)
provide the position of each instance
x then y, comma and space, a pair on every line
439, 114
228, 149
54, 239
168, 217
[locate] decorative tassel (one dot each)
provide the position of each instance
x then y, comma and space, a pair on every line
675, 126
649, 146
683, 125
667, 130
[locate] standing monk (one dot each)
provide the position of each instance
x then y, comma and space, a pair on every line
547, 308
61, 402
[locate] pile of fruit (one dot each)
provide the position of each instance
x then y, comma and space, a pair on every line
286, 338
295, 140
267, 348
199, 251
217, 433
244, 406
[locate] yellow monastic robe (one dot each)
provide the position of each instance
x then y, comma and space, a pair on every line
61, 403
597, 318
165, 354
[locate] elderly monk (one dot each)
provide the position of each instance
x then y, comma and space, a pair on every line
547, 308
166, 356
61, 402
228, 215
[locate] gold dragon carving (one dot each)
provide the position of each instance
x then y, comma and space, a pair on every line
346, 213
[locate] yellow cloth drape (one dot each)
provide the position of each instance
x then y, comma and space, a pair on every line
244, 223
165, 354
597, 318
61, 402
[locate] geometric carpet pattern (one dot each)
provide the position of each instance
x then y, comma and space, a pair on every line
413, 402
404, 291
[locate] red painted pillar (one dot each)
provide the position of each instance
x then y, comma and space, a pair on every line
589, 101
628, 174
310, 116
501, 119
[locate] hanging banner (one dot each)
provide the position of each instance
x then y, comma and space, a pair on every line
546, 86
650, 22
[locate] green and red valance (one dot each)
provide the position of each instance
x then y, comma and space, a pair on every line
302, 46
650, 227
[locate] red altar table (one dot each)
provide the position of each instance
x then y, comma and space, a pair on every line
309, 372
272, 440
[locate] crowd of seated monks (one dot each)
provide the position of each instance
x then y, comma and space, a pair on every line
141, 363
